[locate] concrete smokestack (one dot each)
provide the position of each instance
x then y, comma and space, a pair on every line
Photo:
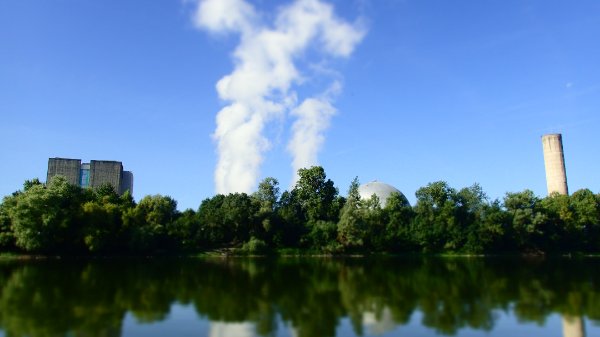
554, 160
573, 326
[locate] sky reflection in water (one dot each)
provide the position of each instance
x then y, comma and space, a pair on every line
300, 297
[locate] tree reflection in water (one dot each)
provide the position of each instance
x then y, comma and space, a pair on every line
311, 296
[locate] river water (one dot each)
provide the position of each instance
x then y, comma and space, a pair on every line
310, 297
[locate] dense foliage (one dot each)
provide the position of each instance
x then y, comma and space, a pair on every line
59, 218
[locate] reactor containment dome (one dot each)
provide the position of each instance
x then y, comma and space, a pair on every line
381, 190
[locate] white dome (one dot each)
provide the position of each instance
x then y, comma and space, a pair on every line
224, 329
381, 190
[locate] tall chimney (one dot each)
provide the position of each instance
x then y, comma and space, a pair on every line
554, 160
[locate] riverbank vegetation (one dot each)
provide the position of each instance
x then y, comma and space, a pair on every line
59, 218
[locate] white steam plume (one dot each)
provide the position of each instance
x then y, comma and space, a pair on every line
258, 89
312, 119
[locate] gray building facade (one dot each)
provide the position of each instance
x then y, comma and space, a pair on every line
92, 174
126, 182
68, 168
105, 171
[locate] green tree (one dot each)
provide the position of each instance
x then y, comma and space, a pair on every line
239, 213
212, 230
559, 216
527, 221
316, 199
267, 194
292, 221
31, 183
7, 238
45, 218
472, 203
316, 194
494, 232
397, 236
103, 219
102, 226
267, 197
106, 193
147, 222
126, 201
435, 226
375, 219
230, 219
352, 228
586, 219
185, 231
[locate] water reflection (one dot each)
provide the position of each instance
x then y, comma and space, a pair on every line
378, 324
225, 329
573, 326
296, 297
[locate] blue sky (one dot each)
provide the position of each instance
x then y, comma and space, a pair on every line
460, 91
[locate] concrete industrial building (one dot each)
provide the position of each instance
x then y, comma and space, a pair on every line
68, 168
92, 174
556, 181
554, 161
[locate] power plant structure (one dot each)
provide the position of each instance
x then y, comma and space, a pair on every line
92, 174
554, 161
382, 190
556, 181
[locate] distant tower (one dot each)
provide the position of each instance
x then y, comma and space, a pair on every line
554, 160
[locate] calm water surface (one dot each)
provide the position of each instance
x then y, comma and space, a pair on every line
300, 297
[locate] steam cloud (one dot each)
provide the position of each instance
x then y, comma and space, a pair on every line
259, 88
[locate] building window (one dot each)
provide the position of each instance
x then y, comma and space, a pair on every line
85, 178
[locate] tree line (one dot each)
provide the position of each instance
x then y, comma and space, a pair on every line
60, 218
